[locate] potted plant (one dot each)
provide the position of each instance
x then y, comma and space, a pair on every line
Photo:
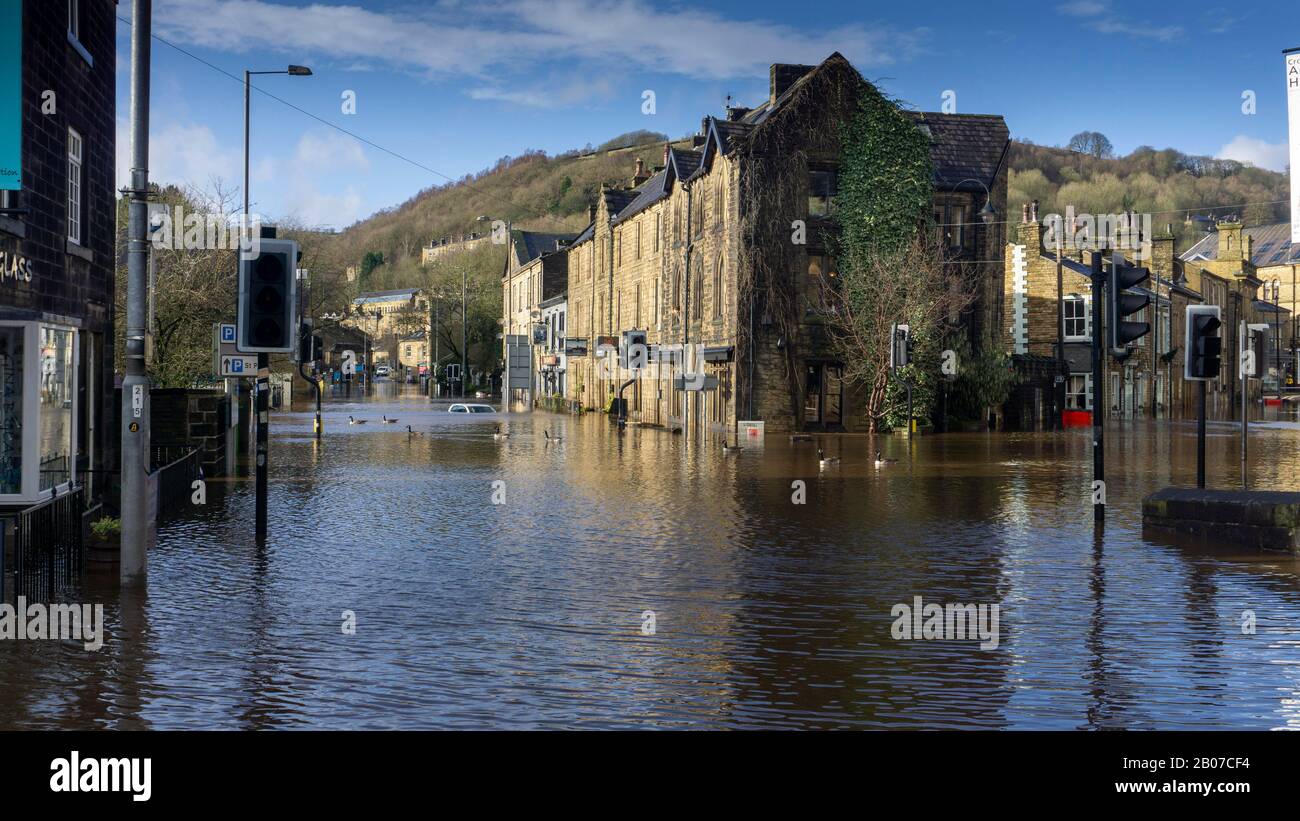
105, 539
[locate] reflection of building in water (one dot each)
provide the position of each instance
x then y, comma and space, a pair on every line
57, 243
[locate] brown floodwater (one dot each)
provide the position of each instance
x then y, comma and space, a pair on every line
767, 613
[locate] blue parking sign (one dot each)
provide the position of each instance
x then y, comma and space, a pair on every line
236, 366
227, 333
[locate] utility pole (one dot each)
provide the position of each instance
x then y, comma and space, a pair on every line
137, 515
464, 354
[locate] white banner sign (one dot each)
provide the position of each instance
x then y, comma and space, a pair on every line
1293, 111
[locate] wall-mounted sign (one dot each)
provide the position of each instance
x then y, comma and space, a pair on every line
575, 346
1293, 121
11, 95
15, 266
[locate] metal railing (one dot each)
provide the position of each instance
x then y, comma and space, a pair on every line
177, 467
49, 549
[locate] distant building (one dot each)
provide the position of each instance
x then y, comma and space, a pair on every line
449, 246
1254, 271
58, 232
386, 317
553, 364
413, 353
536, 271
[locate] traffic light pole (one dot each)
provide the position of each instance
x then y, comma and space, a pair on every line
263, 424
1200, 433
1098, 390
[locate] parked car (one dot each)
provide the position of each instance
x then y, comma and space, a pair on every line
471, 408
382, 371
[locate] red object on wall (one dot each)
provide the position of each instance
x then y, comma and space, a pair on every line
1076, 419
1272, 403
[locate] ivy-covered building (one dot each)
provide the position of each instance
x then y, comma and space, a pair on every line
706, 255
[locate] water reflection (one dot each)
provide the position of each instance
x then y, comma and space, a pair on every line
769, 613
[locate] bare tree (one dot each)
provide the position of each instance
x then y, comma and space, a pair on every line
912, 283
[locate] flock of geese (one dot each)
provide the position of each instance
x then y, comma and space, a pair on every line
499, 435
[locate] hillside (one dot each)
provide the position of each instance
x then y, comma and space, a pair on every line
1166, 184
533, 191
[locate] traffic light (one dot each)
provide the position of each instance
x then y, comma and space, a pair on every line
1202, 342
1120, 304
900, 346
633, 354
268, 297
311, 348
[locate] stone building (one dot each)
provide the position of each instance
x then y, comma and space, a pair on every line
1275, 262
58, 417
672, 255
1210, 273
387, 317
1151, 376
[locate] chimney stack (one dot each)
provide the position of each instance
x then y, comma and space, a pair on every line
783, 75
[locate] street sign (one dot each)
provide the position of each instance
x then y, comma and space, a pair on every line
237, 365
226, 358
519, 362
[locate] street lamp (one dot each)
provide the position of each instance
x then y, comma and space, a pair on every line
292, 71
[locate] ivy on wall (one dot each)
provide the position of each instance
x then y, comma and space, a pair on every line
885, 187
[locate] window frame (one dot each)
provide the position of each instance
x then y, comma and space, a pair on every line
76, 210
1066, 319
30, 479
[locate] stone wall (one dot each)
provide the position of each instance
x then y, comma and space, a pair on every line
197, 418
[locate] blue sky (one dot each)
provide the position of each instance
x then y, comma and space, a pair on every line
456, 85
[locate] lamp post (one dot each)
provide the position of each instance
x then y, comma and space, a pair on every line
505, 398
263, 360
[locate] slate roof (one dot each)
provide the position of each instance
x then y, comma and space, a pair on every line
964, 146
650, 192
1264, 306
617, 199
1272, 246
684, 162
385, 296
529, 245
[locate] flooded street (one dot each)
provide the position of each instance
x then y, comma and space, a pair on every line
767, 613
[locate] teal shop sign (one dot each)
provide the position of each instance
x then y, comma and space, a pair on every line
11, 95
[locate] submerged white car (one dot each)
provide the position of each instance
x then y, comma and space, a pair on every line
471, 408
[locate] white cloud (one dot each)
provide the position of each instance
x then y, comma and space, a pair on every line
1258, 153
1084, 8
491, 40
182, 154
325, 179
1103, 19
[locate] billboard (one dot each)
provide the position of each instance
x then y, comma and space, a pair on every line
11, 95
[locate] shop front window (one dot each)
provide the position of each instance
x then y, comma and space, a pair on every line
57, 421
11, 408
